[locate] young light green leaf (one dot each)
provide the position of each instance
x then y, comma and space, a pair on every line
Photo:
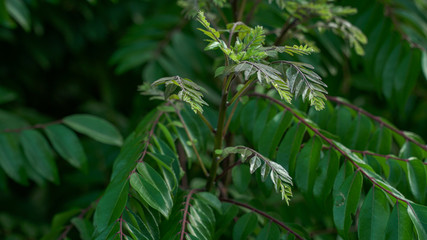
67, 145
39, 154
95, 127
254, 164
373, 215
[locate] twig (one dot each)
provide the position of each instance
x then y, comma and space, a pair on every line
207, 123
377, 119
181, 119
17, 130
281, 224
286, 27
252, 11
184, 221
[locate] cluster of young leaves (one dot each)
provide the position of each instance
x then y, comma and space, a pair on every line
25, 153
249, 56
278, 175
190, 92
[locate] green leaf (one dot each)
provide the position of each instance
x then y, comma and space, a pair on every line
11, 159
381, 141
424, 64
272, 135
290, 146
345, 202
19, 11
244, 226
58, 223
152, 188
327, 170
95, 127
111, 205
211, 200
39, 154
201, 220
373, 215
269, 232
399, 226
418, 215
241, 177
84, 227
67, 145
417, 179
307, 161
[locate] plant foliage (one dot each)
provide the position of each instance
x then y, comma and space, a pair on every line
343, 172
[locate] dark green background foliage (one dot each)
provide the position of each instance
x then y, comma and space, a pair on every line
84, 156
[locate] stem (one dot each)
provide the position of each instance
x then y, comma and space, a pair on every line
233, 110
241, 91
219, 133
286, 27
208, 124
252, 11
181, 119
281, 224
17, 130
184, 221
377, 119
241, 10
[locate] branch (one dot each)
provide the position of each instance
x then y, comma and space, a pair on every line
252, 11
332, 144
286, 27
184, 221
281, 224
377, 119
17, 130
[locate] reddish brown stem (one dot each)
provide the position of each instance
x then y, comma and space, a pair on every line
281, 224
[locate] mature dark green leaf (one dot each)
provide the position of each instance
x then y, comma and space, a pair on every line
84, 227
345, 202
244, 226
290, 146
211, 200
241, 177
58, 223
399, 224
327, 170
39, 154
95, 127
272, 135
152, 188
201, 220
111, 205
373, 215
417, 179
381, 141
418, 215
11, 159
67, 145
269, 232
307, 162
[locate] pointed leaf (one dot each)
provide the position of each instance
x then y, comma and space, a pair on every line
418, 215
373, 215
254, 164
241, 177
399, 226
244, 226
290, 146
417, 179
39, 154
11, 159
307, 161
95, 127
67, 145
111, 205
152, 188
345, 202
327, 171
